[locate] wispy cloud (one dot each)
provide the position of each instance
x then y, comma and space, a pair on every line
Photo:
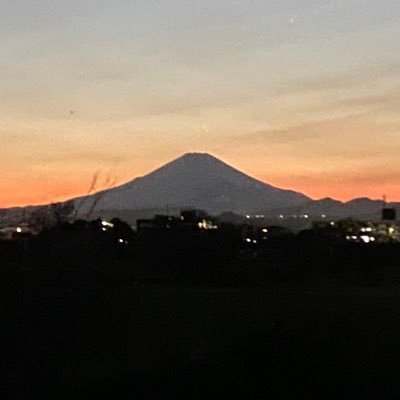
364, 77
301, 132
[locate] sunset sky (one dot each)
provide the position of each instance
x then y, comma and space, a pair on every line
302, 94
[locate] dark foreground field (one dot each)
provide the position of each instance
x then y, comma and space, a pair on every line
69, 337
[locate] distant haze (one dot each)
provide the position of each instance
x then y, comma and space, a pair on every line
303, 95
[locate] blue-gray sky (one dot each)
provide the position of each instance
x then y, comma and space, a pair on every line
301, 94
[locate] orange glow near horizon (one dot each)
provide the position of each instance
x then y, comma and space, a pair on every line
301, 95
46, 189
344, 191
37, 193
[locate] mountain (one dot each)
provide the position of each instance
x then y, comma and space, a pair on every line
197, 180
194, 180
361, 208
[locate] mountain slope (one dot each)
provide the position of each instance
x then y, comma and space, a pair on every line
202, 181
196, 180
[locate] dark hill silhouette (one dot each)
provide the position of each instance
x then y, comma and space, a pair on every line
200, 180
196, 180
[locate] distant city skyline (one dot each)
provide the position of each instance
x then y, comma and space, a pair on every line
301, 95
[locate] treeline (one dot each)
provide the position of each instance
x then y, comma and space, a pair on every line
113, 251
